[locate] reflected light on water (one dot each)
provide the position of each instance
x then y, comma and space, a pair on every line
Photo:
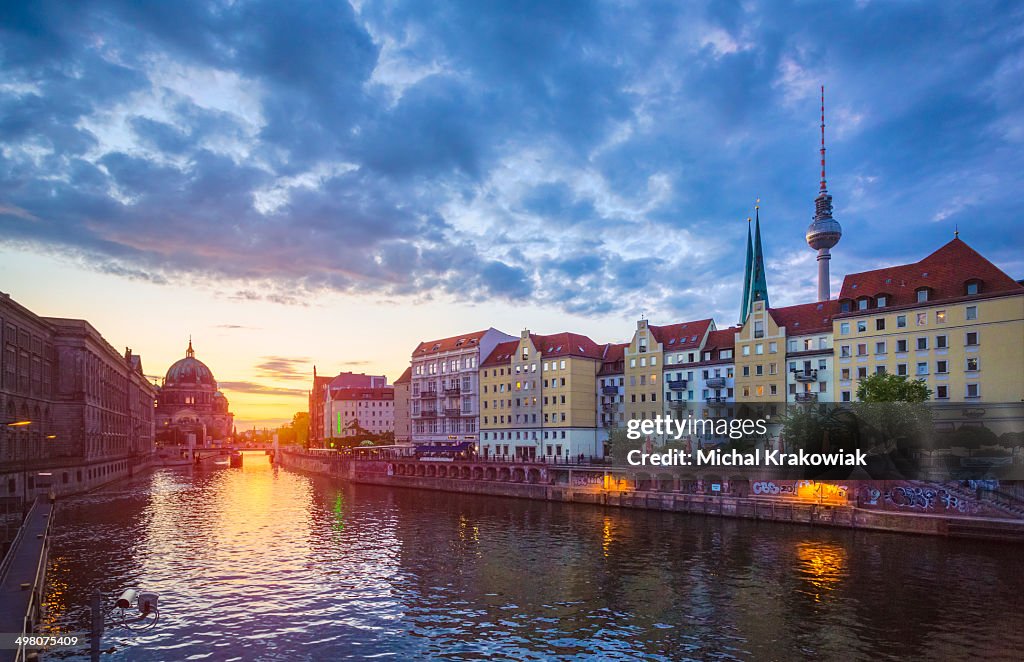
822, 565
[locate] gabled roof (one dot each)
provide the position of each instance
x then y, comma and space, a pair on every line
686, 335
722, 339
566, 344
465, 341
406, 377
501, 354
804, 318
946, 272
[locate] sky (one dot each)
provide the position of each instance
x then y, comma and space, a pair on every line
330, 183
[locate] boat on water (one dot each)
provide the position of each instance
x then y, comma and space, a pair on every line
164, 459
235, 459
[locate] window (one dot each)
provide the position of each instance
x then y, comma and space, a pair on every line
942, 392
940, 316
901, 369
882, 301
922, 295
973, 391
922, 343
862, 304
759, 369
972, 312
880, 347
759, 329
846, 396
773, 347
746, 350
940, 342
862, 373
922, 319
972, 288
643, 361
760, 391
759, 348
922, 367
880, 324
654, 360
880, 370
844, 351
746, 371
862, 349
901, 321
971, 339
941, 367
725, 354
845, 374
632, 363
844, 328
862, 326
972, 364
772, 389
901, 345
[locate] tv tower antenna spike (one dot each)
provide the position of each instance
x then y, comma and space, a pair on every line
823, 187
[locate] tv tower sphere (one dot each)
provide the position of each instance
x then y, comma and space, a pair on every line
823, 233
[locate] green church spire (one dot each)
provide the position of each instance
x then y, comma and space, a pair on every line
744, 310
755, 286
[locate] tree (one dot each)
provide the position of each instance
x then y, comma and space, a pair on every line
887, 387
619, 444
300, 424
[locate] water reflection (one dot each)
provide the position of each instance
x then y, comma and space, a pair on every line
260, 563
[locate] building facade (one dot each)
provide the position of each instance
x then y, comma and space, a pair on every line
403, 422
354, 412
70, 403
445, 396
318, 395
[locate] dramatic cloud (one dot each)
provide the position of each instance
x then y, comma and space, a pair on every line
593, 157
284, 367
260, 389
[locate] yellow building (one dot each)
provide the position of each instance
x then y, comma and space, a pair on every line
644, 361
953, 319
540, 397
760, 361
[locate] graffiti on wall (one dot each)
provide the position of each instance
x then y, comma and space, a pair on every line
915, 497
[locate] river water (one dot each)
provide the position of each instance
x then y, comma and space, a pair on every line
260, 563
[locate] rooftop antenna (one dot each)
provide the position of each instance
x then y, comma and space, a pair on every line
823, 187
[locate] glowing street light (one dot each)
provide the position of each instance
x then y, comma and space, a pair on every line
19, 424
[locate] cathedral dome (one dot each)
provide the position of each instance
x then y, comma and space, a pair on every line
189, 371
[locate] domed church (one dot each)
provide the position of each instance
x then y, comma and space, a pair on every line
189, 403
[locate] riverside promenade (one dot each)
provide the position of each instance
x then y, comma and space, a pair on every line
23, 576
897, 506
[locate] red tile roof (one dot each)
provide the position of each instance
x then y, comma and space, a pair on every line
804, 318
946, 272
566, 344
385, 393
465, 341
406, 377
501, 354
613, 360
686, 335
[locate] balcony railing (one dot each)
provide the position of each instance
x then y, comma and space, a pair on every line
452, 390
428, 395
452, 411
806, 397
677, 384
428, 413
607, 407
715, 382
609, 390
716, 400
806, 375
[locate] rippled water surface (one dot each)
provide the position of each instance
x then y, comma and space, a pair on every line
263, 563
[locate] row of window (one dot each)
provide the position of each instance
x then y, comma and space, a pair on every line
921, 295
971, 339
971, 392
971, 364
920, 319
445, 366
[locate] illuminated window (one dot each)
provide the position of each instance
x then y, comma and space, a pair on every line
760, 391
940, 316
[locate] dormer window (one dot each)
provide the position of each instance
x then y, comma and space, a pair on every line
844, 306
882, 301
863, 303
922, 294
972, 287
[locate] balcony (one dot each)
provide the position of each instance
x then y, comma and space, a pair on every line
609, 390
677, 384
715, 382
428, 413
805, 375
807, 397
452, 411
607, 407
428, 395
453, 390
716, 400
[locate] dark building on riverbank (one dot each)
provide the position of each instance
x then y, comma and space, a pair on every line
69, 400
